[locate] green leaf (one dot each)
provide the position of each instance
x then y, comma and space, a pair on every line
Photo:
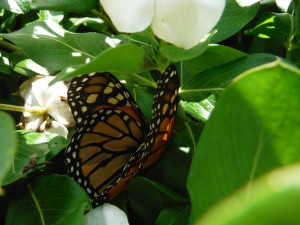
201, 85
175, 54
33, 148
51, 199
173, 168
56, 16
28, 64
8, 142
4, 63
16, 6
74, 23
64, 5
253, 129
272, 199
148, 42
200, 110
144, 195
55, 143
52, 47
272, 25
176, 215
214, 55
234, 18
125, 58
145, 102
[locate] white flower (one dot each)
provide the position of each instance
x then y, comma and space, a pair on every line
181, 22
283, 5
50, 100
53, 127
106, 214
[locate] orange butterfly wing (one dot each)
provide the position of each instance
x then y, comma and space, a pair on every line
164, 112
109, 129
112, 141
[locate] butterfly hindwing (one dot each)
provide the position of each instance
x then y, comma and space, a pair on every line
164, 110
100, 149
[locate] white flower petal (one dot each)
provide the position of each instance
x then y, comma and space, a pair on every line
129, 15
106, 214
39, 89
185, 23
32, 122
26, 93
60, 111
283, 4
44, 93
37, 92
53, 127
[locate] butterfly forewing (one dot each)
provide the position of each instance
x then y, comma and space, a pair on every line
90, 92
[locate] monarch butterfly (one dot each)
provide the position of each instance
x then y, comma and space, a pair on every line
113, 141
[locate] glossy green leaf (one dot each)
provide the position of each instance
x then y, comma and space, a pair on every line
200, 110
201, 85
125, 58
56, 16
144, 195
74, 23
51, 199
145, 101
234, 18
214, 55
149, 43
173, 168
8, 142
52, 47
176, 215
272, 25
64, 5
175, 54
33, 148
4, 63
28, 64
16, 6
253, 129
272, 199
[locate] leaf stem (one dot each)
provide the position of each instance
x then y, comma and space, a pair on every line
37, 110
152, 84
106, 19
142, 43
9, 46
36, 204
181, 73
190, 132
201, 90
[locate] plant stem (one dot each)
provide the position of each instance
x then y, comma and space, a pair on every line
201, 90
106, 19
37, 204
8, 46
151, 84
37, 110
